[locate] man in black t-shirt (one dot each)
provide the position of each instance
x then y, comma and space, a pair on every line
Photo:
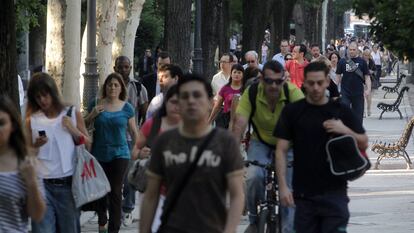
201, 205
320, 197
355, 74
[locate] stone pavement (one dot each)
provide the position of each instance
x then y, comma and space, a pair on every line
381, 201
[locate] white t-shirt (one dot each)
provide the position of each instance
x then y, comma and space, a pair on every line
376, 57
233, 43
279, 58
155, 104
219, 80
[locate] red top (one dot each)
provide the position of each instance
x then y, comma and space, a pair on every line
296, 71
146, 130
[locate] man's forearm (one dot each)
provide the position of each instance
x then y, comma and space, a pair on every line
236, 206
149, 206
281, 166
239, 127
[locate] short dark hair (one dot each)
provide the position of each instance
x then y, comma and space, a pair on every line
317, 66
230, 55
163, 55
174, 70
238, 67
189, 77
275, 66
314, 45
122, 58
302, 48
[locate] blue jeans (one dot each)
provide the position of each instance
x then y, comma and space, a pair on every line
128, 192
255, 181
356, 103
325, 213
61, 214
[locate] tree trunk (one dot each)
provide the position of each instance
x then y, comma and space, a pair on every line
224, 34
210, 33
55, 40
8, 72
106, 22
280, 25
298, 17
72, 52
129, 13
37, 44
256, 16
63, 46
177, 32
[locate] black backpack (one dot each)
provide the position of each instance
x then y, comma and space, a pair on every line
138, 86
252, 98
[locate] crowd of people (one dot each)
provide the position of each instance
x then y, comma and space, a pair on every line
168, 116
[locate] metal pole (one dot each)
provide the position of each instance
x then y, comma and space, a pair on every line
91, 75
324, 12
198, 51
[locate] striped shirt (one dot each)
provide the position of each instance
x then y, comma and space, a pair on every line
13, 203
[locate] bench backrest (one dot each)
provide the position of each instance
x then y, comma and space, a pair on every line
405, 137
400, 96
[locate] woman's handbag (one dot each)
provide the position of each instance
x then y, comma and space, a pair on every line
89, 182
345, 159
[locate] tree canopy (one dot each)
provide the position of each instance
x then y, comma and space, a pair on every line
392, 23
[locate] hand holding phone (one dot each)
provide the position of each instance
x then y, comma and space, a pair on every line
42, 133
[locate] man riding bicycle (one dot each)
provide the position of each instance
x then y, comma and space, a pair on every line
260, 106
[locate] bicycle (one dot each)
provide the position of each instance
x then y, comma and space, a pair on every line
269, 208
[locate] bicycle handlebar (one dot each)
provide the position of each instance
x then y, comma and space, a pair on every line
256, 163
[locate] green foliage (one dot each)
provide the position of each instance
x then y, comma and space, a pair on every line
392, 23
342, 5
151, 27
27, 14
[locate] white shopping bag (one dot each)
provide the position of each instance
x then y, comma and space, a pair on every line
89, 181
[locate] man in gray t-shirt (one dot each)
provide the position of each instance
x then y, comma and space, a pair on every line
137, 97
201, 204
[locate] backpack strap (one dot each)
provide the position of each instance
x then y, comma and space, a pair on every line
253, 90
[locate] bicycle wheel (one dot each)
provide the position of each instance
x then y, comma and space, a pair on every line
265, 225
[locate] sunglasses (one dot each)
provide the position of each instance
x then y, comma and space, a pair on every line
270, 81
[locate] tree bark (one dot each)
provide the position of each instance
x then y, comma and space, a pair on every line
37, 44
210, 34
224, 34
8, 72
256, 17
63, 46
177, 32
129, 13
280, 25
55, 40
106, 22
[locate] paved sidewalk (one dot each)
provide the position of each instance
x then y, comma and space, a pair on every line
381, 201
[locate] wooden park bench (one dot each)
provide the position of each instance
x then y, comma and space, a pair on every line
395, 88
396, 149
394, 106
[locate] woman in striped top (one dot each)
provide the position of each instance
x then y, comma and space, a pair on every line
20, 196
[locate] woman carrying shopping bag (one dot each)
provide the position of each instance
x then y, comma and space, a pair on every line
51, 133
112, 117
21, 189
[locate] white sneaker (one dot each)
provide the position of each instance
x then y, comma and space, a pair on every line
127, 219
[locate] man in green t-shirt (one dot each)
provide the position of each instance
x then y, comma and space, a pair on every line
272, 93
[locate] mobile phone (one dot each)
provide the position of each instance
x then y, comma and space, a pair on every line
42, 133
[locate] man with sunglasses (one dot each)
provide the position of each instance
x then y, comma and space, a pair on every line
198, 204
262, 110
